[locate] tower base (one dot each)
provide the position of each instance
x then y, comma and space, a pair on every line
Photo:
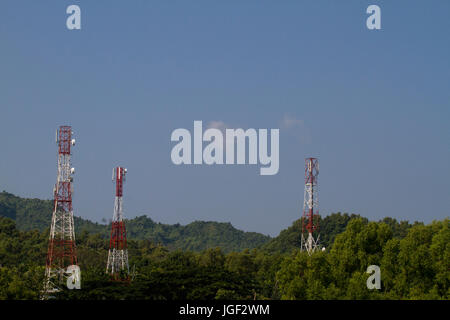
310, 244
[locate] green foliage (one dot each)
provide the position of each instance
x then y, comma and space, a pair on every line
196, 236
414, 261
35, 214
21, 283
415, 267
289, 239
330, 226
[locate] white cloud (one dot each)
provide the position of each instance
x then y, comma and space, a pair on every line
290, 122
297, 128
217, 124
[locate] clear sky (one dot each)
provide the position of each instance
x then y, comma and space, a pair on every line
373, 106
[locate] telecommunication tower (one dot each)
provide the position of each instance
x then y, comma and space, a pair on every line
117, 265
61, 246
310, 219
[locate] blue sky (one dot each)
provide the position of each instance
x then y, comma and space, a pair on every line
373, 106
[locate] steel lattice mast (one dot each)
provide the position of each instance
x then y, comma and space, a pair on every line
117, 265
61, 246
310, 218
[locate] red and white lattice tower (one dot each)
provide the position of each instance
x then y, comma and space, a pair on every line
61, 246
310, 218
117, 265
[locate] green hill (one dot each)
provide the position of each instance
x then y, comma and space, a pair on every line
329, 226
35, 214
414, 259
413, 267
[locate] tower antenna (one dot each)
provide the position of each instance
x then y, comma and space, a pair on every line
117, 265
61, 245
310, 219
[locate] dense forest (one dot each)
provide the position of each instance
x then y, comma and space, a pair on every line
35, 214
414, 260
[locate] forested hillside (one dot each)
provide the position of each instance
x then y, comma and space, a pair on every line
413, 267
210, 260
35, 214
329, 227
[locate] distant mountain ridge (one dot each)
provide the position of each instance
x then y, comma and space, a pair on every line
31, 214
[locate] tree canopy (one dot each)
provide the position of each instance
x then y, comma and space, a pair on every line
414, 260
